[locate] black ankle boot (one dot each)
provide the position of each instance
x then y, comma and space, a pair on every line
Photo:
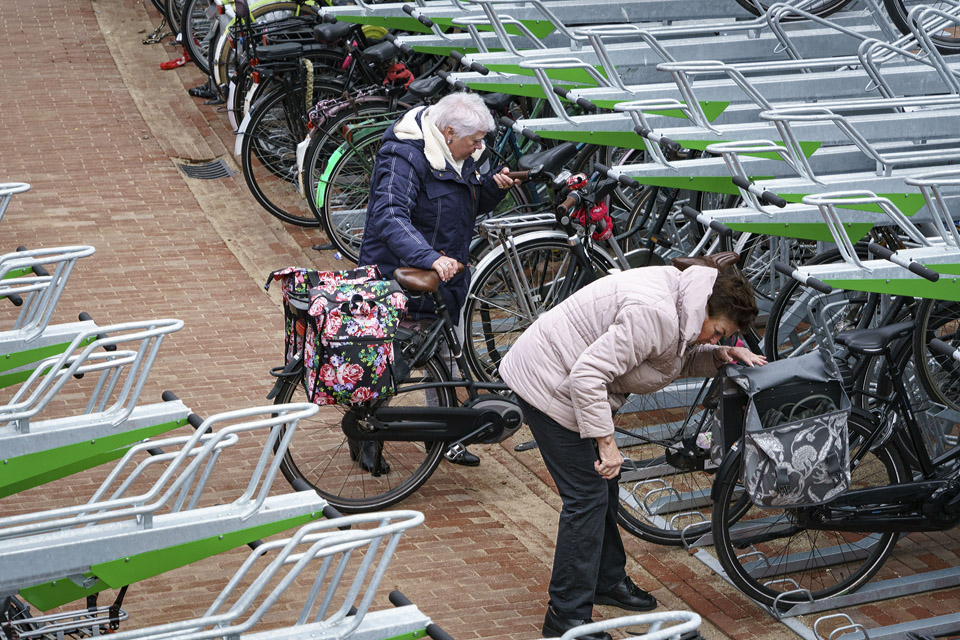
554, 626
369, 460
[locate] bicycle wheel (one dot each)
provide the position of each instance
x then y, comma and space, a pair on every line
345, 191
677, 236
947, 39
767, 554
199, 30
938, 375
269, 156
666, 476
319, 452
788, 331
173, 11
496, 310
820, 8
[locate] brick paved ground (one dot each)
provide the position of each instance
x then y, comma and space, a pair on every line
94, 126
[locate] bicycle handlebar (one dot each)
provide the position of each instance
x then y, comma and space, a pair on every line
571, 201
473, 66
939, 346
655, 137
404, 47
808, 281
765, 196
563, 92
906, 263
518, 175
716, 225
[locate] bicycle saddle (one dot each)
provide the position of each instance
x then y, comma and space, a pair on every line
551, 159
380, 52
497, 101
718, 261
870, 342
282, 51
412, 279
328, 33
426, 87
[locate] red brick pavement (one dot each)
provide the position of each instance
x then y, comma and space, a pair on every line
93, 125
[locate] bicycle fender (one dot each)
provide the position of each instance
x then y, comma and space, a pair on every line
238, 144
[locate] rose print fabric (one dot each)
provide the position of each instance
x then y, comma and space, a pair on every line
342, 324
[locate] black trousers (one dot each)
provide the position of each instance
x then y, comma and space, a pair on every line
589, 556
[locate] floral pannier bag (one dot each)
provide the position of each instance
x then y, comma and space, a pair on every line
795, 448
341, 324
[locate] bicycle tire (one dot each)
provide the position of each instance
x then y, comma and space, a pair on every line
794, 557
319, 452
197, 27
269, 157
947, 41
666, 477
346, 192
822, 9
938, 375
787, 332
173, 11
490, 325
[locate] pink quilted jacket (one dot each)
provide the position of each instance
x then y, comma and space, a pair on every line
629, 332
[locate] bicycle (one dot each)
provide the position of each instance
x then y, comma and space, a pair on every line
413, 430
781, 557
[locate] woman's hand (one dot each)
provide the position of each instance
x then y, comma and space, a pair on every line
446, 267
740, 354
503, 180
608, 466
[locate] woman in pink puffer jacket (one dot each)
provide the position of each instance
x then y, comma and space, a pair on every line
631, 332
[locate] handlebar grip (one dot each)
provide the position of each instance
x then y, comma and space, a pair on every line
329, 18
914, 267
652, 136
437, 633
397, 599
563, 92
404, 47
85, 317
459, 86
518, 175
716, 225
809, 281
939, 346
767, 197
569, 202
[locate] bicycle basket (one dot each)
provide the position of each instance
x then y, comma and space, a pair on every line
342, 325
795, 448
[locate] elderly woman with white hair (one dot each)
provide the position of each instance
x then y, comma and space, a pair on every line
425, 194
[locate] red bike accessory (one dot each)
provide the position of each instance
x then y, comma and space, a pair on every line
176, 62
597, 214
398, 73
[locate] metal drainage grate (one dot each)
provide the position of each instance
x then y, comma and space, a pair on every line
206, 170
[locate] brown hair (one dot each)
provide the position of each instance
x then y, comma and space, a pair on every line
733, 298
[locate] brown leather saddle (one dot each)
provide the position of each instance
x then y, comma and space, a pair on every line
719, 261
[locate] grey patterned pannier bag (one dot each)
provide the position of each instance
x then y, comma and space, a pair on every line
795, 449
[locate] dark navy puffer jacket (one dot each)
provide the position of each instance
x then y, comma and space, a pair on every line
416, 212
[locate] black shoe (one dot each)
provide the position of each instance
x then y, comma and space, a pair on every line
554, 626
627, 595
369, 460
202, 91
467, 460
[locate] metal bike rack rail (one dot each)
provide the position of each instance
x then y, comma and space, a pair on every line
7, 191
56, 556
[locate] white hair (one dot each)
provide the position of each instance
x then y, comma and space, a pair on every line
465, 112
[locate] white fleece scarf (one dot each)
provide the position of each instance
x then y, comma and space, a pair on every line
434, 146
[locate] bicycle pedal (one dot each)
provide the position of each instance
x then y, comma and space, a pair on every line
455, 452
